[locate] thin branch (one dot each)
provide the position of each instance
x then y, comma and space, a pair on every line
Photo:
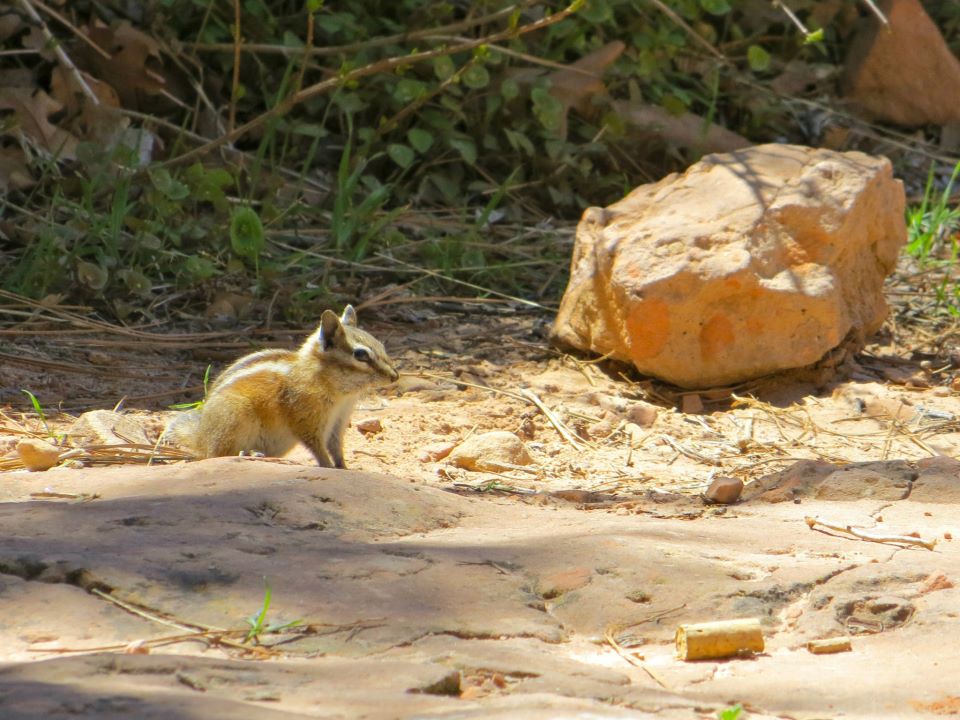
235, 82
526, 57
151, 615
393, 122
793, 17
308, 46
817, 523
877, 11
457, 281
693, 34
58, 50
555, 420
72, 28
803, 28
380, 66
350, 48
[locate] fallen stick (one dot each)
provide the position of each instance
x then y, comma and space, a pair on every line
522, 394
720, 639
692, 454
817, 523
634, 658
557, 423
829, 645
62, 57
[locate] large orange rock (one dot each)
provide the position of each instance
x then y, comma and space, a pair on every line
904, 73
750, 262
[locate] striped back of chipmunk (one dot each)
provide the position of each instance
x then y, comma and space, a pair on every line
275, 360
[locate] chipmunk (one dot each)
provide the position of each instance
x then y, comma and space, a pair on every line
267, 401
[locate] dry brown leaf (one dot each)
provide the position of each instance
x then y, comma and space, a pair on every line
686, 129
32, 110
64, 90
102, 123
576, 85
135, 66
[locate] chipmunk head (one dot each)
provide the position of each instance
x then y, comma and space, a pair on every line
338, 340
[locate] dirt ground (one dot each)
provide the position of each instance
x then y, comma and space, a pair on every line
423, 589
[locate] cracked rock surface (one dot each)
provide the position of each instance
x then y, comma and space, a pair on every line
417, 602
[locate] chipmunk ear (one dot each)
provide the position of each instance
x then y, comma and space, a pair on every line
349, 316
329, 327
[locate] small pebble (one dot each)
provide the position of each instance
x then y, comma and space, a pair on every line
691, 404
370, 426
434, 452
642, 414
490, 451
724, 490
38, 454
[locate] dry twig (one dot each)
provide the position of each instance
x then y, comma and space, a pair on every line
58, 50
77, 320
555, 420
689, 452
196, 632
351, 48
470, 285
522, 394
818, 524
635, 658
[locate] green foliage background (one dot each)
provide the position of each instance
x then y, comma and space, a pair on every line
466, 164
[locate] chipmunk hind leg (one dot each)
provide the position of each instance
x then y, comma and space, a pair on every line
315, 434
230, 425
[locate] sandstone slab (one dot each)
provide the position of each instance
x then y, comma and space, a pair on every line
879, 480
417, 602
757, 261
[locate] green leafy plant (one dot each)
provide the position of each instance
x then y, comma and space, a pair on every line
359, 199
932, 224
38, 409
734, 712
258, 622
246, 234
196, 404
414, 161
932, 238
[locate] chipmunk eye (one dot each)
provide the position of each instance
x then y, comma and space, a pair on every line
361, 354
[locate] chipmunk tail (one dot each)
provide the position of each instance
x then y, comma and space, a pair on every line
183, 430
